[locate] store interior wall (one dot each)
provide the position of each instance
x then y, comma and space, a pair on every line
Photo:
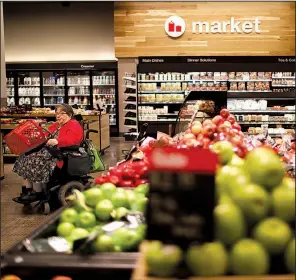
2, 60
124, 65
51, 32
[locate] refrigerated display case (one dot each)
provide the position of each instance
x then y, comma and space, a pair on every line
53, 88
28, 88
85, 85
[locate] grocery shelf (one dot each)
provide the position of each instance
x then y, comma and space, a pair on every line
283, 85
8, 126
179, 81
130, 118
131, 86
73, 95
291, 77
262, 95
104, 85
130, 94
76, 85
267, 122
252, 91
130, 78
28, 85
262, 111
9, 85
55, 104
131, 126
154, 92
29, 95
10, 155
161, 103
254, 80
53, 85
50, 95
130, 102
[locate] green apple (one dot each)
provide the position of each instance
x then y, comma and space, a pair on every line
224, 176
140, 204
103, 210
93, 196
236, 161
162, 261
119, 199
240, 180
283, 203
253, 201
274, 235
288, 183
224, 149
104, 243
209, 259
131, 197
78, 233
264, 167
108, 189
290, 257
86, 220
229, 222
119, 213
142, 188
69, 215
64, 229
248, 257
124, 238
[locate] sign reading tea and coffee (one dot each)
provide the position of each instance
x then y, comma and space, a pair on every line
175, 26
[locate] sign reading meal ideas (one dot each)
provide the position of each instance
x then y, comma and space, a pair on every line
175, 26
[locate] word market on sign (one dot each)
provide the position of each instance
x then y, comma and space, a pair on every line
175, 26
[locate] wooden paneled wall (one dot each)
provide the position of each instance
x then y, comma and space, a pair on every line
139, 29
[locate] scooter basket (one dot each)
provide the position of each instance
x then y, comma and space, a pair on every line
24, 137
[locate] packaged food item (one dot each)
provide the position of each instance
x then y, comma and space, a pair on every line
210, 75
260, 75
224, 76
217, 76
203, 86
241, 86
233, 85
246, 76
239, 75
211, 86
203, 75
267, 75
231, 75
266, 86
197, 86
258, 86
217, 86
253, 75
196, 76
250, 86
223, 86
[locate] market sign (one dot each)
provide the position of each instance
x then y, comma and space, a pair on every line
175, 26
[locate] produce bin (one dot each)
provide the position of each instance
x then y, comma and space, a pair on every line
26, 265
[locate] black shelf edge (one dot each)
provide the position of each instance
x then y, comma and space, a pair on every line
273, 95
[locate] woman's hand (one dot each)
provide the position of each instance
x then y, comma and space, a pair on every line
52, 142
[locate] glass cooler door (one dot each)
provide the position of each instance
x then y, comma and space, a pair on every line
78, 86
10, 88
104, 93
28, 88
53, 88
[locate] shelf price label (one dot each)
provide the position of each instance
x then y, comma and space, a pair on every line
181, 196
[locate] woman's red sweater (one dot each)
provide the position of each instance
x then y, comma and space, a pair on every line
70, 134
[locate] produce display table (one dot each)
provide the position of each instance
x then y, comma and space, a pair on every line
140, 273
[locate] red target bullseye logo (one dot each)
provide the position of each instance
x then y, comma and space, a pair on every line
175, 26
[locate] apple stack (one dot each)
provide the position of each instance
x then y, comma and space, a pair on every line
254, 222
94, 209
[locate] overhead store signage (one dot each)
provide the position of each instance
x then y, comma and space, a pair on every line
175, 26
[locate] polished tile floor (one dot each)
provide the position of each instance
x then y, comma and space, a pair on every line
15, 224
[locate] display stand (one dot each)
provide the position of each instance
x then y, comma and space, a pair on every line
1, 159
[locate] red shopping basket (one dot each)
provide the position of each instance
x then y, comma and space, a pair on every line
25, 136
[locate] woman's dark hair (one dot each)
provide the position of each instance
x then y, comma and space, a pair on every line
66, 108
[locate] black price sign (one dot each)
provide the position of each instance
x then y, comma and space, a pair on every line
182, 196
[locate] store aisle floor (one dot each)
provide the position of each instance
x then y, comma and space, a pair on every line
15, 224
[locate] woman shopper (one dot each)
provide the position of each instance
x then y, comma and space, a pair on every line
38, 167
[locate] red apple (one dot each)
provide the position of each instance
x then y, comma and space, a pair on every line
190, 142
196, 123
127, 183
206, 143
196, 129
128, 173
223, 128
231, 119
187, 131
114, 180
293, 145
224, 113
227, 124
236, 126
101, 180
141, 181
217, 120
236, 140
188, 136
207, 122
209, 130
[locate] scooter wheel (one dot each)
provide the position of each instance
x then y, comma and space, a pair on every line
45, 208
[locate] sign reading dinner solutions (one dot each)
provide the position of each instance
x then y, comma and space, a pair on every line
175, 26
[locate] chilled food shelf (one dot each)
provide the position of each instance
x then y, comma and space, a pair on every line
266, 122
163, 103
262, 111
134, 79
101, 85
73, 95
253, 80
53, 85
53, 95
130, 110
36, 85
275, 85
156, 92
252, 91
